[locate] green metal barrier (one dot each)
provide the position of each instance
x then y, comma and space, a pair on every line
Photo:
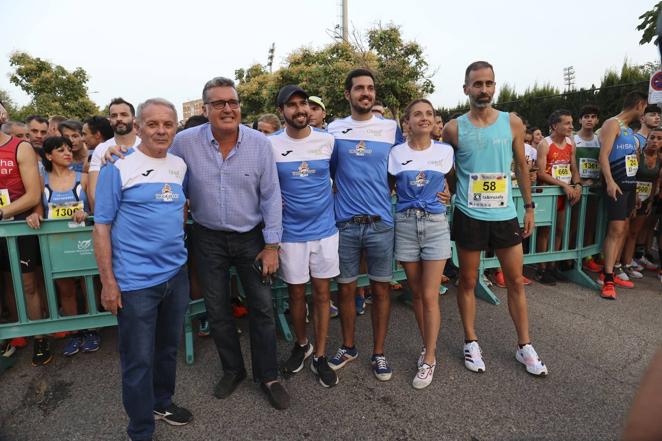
572, 243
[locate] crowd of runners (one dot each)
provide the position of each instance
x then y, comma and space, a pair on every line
309, 203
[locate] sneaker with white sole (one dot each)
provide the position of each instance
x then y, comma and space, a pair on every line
646, 263
634, 264
423, 377
173, 415
298, 357
421, 357
380, 367
529, 358
632, 272
618, 272
343, 356
473, 358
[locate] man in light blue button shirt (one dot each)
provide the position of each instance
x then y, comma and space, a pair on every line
236, 206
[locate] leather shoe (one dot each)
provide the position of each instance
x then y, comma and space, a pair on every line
277, 395
227, 384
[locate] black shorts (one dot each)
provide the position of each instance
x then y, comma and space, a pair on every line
28, 250
479, 235
621, 208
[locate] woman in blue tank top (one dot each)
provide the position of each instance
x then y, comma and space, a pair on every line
63, 197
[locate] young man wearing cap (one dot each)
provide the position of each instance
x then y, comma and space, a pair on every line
309, 247
316, 112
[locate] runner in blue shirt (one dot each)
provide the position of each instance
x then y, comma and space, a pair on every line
139, 246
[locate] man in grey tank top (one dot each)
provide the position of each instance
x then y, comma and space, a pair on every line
486, 141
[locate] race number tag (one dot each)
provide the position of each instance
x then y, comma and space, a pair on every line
589, 168
488, 190
644, 190
562, 172
64, 211
4, 201
631, 165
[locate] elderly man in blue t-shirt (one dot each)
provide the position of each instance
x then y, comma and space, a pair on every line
139, 246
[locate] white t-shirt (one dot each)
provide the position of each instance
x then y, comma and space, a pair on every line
100, 150
530, 153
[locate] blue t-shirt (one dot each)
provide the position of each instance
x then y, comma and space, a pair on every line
359, 166
143, 199
419, 175
305, 185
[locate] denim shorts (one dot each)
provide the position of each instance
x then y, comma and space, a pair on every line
375, 240
420, 235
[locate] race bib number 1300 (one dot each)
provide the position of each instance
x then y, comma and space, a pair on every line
488, 190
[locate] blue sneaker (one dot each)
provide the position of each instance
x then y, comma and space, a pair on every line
380, 367
91, 341
73, 345
343, 356
333, 310
360, 305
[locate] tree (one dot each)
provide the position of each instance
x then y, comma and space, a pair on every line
54, 90
8, 103
648, 24
399, 67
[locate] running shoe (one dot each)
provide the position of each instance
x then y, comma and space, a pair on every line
19, 342
343, 356
529, 358
73, 345
298, 357
41, 354
646, 264
423, 377
173, 415
632, 272
203, 330
618, 272
59, 335
592, 266
7, 349
499, 279
421, 357
360, 305
634, 264
91, 341
617, 281
442, 290
544, 277
333, 310
368, 298
327, 376
608, 291
526, 281
473, 357
380, 367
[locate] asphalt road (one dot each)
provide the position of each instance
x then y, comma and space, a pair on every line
596, 351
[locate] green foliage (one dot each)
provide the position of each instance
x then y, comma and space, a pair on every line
648, 24
8, 103
536, 103
399, 67
54, 90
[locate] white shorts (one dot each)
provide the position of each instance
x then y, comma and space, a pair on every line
301, 260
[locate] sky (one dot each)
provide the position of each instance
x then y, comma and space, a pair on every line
143, 48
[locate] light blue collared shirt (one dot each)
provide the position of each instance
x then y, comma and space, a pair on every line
235, 194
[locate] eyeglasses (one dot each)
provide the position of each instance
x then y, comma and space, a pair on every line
220, 104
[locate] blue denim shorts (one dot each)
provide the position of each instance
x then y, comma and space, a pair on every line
421, 236
375, 240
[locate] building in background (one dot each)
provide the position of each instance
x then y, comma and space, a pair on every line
190, 108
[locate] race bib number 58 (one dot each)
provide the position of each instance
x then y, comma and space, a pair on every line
488, 190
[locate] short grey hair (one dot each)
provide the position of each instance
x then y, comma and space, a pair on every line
154, 102
217, 82
6, 127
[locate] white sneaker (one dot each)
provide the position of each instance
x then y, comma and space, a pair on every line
423, 377
618, 271
635, 265
473, 358
421, 357
528, 357
632, 272
646, 264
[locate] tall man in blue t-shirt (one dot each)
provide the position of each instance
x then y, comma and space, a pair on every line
309, 248
363, 213
139, 246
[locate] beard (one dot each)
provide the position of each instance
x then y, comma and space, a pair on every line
358, 107
295, 124
481, 101
124, 129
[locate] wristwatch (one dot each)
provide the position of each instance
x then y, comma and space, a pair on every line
531, 205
